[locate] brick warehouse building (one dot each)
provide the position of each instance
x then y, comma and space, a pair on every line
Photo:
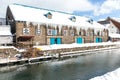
39, 26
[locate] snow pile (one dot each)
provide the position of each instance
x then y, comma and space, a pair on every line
114, 75
114, 35
61, 46
5, 30
7, 47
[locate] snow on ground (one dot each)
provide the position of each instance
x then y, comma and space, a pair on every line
61, 46
114, 75
114, 35
7, 47
12, 47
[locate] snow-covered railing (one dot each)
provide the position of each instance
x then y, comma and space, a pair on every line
62, 46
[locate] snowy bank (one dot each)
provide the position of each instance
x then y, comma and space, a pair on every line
114, 75
74, 45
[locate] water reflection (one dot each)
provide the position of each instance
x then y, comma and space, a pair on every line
80, 68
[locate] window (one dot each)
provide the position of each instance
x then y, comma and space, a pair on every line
38, 31
71, 32
98, 33
80, 33
90, 21
52, 32
49, 32
64, 32
26, 31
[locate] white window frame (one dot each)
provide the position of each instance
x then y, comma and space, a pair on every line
38, 31
72, 33
65, 32
49, 31
26, 31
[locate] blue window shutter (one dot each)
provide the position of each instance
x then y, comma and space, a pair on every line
58, 40
52, 41
96, 40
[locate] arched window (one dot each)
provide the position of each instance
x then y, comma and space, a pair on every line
37, 30
84, 33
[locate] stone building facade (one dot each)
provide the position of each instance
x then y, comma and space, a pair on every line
53, 28
42, 34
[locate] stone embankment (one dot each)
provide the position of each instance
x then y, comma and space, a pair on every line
51, 52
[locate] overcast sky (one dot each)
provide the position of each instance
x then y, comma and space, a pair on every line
95, 9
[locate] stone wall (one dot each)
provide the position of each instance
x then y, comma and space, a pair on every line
68, 51
67, 34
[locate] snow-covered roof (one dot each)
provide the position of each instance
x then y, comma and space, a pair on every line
32, 14
117, 19
5, 30
114, 35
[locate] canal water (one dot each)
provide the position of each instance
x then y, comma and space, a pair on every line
80, 68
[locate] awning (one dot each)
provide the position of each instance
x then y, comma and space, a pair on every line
24, 38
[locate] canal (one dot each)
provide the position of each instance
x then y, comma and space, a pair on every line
80, 68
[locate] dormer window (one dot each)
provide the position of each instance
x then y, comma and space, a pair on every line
90, 21
73, 19
48, 15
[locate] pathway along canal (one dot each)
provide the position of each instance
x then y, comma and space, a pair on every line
80, 68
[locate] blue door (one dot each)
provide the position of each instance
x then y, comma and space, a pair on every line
79, 40
55, 40
58, 40
97, 40
52, 40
